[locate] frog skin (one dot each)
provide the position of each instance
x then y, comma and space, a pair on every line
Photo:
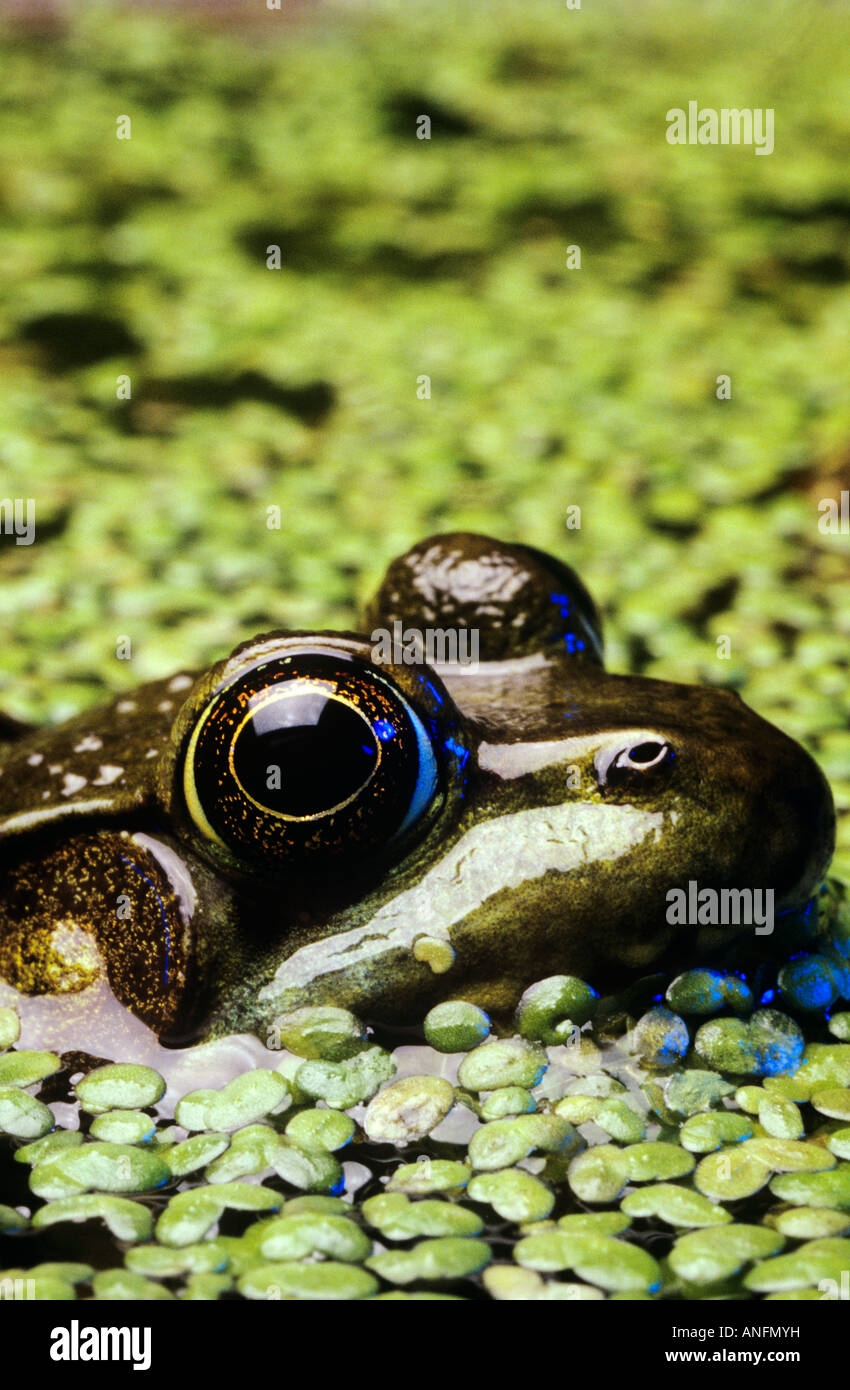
308, 823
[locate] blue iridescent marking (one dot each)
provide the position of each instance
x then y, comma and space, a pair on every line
161, 908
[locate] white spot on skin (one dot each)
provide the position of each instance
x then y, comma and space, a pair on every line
179, 683
125, 706
152, 753
73, 783
89, 744
108, 773
35, 758
165, 706
54, 768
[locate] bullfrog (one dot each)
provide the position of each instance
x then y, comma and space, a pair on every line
451, 802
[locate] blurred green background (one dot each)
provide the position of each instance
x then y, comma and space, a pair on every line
401, 257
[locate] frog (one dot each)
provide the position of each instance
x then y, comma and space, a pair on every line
450, 801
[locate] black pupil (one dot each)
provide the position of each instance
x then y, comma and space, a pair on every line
303, 754
645, 752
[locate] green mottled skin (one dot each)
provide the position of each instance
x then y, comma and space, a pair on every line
528, 862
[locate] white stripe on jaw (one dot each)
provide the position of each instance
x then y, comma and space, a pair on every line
497, 854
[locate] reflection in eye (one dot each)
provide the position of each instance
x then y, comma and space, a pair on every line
307, 756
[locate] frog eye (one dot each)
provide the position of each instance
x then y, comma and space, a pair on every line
629, 763
308, 756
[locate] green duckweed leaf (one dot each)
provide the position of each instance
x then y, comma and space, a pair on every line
706, 1256
676, 1206
120, 1086
448, 1257
513, 1194
502, 1062
397, 1218
407, 1110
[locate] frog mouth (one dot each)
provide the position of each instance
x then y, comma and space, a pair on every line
491, 858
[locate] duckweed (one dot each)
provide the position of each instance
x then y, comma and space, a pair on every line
715, 1253
247, 1098
768, 1043
22, 1116
324, 1033
833, 1101
123, 1127
676, 1206
290, 1280
661, 1038
599, 1259
689, 1092
127, 1220
838, 1143
809, 983
708, 991
107, 1167
551, 1009
702, 1134
649, 1162
619, 1119
299, 1235
190, 1215
164, 1262
10, 1028
599, 1174
120, 1086
781, 1118
257, 1148
456, 1026
321, 1129
502, 1062
344, 1084
397, 1218
823, 1189
447, 1257
502, 1143
817, 1260
731, 1174
409, 1109
11, 1220
429, 1175
123, 1286
809, 1223
508, 1100
26, 1068
513, 1194
194, 1153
